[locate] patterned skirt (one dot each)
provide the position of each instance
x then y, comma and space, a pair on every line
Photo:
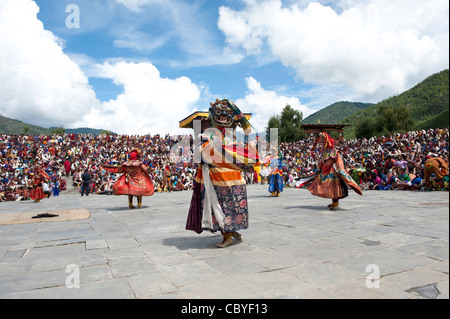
333, 185
232, 200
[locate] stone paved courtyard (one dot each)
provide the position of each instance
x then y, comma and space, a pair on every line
384, 244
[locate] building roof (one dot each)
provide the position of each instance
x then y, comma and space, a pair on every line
324, 126
200, 115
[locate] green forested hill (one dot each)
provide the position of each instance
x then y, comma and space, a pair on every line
84, 130
15, 127
427, 104
335, 113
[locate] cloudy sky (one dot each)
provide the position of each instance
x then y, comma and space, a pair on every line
141, 66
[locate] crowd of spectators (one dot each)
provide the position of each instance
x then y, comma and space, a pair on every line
394, 162
66, 157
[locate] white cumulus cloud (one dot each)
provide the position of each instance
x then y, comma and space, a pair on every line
41, 85
264, 103
378, 47
149, 104
38, 82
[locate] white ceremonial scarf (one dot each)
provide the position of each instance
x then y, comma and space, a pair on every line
211, 203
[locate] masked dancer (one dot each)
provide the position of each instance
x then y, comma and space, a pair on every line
332, 181
135, 181
219, 199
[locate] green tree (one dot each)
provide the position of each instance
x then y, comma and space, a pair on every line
389, 119
365, 128
274, 122
26, 130
288, 124
394, 119
58, 131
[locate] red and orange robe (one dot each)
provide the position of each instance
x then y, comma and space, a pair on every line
333, 180
37, 192
135, 180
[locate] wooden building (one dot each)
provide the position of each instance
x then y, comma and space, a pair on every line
315, 129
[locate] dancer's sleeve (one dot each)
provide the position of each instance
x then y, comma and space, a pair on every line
112, 168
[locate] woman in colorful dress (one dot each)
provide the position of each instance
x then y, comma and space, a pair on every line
219, 199
135, 180
333, 180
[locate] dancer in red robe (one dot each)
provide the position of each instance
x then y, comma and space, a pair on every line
40, 176
135, 180
333, 180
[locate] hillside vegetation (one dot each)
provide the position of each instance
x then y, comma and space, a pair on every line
335, 113
15, 127
424, 106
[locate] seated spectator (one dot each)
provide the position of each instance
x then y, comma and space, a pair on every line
376, 181
400, 150
47, 189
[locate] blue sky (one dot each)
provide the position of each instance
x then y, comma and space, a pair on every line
121, 33
140, 66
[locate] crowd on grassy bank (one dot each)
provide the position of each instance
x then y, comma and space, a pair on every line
378, 163
394, 162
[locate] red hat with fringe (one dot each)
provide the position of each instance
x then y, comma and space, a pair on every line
134, 154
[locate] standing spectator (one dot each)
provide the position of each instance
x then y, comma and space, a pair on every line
167, 179
86, 177
67, 166
55, 187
